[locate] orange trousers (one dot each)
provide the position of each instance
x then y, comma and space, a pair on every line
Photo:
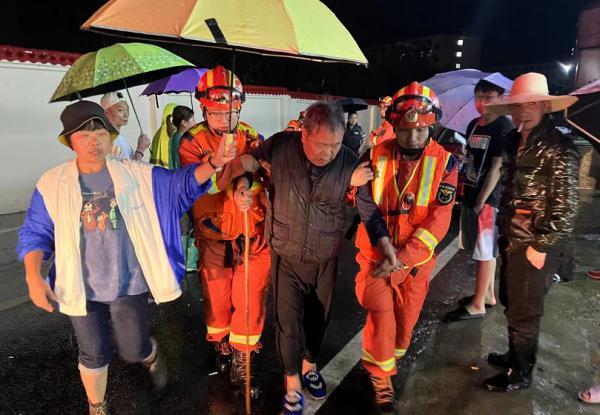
224, 293
392, 313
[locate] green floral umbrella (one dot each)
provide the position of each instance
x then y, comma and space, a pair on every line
116, 67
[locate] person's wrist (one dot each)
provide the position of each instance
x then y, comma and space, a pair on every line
215, 164
140, 152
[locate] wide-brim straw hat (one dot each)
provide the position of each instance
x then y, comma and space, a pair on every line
530, 87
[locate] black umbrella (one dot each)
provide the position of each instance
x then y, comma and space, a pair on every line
352, 104
583, 115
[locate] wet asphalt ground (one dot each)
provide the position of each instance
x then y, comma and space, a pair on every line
38, 351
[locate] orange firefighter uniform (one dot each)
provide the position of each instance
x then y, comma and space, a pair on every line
415, 198
219, 230
382, 134
386, 130
219, 225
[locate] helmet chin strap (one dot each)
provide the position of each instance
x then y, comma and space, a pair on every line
413, 152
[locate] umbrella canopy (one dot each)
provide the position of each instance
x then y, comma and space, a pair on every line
455, 92
115, 67
296, 28
583, 115
352, 104
184, 81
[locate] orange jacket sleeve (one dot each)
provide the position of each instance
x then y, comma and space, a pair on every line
189, 151
420, 247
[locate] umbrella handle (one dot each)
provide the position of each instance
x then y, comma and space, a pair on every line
133, 106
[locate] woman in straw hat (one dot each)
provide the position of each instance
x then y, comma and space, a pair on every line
538, 211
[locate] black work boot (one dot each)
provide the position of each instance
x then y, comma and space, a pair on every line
499, 359
384, 393
508, 381
238, 372
223, 360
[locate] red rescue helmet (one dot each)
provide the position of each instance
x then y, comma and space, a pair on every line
414, 106
214, 90
385, 101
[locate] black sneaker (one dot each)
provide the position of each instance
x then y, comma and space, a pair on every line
384, 393
507, 381
223, 360
98, 408
157, 367
238, 373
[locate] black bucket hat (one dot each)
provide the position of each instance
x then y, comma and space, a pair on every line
75, 115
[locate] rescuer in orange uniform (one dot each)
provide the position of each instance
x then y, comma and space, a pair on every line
219, 229
296, 125
385, 131
413, 193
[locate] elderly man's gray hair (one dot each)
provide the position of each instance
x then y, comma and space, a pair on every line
324, 114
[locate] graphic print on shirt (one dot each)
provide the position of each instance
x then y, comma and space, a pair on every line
87, 216
474, 169
97, 208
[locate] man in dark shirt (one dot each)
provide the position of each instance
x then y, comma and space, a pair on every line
310, 173
481, 198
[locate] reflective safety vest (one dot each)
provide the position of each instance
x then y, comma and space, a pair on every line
384, 133
216, 216
407, 205
293, 125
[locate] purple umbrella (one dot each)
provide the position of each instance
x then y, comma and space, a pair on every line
455, 92
184, 81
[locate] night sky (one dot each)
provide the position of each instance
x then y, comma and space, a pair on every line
513, 31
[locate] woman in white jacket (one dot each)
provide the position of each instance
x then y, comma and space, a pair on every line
113, 227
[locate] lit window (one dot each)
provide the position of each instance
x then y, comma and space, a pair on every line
457, 66
458, 54
460, 42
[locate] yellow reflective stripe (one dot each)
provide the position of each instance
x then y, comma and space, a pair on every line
241, 339
427, 238
399, 353
426, 182
387, 365
378, 183
213, 185
425, 260
216, 330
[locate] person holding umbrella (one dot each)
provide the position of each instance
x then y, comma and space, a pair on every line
113, 227
117, 112
538, 212
219, 229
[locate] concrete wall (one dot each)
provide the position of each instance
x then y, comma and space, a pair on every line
29, 125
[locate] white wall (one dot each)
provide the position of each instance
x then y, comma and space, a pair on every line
29, 125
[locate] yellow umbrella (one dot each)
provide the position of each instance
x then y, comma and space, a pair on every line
304, 29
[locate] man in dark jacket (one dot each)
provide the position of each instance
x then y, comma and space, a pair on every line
538, 211
310, 173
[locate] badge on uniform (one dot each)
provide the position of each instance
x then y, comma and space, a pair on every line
446, 193
407, 203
